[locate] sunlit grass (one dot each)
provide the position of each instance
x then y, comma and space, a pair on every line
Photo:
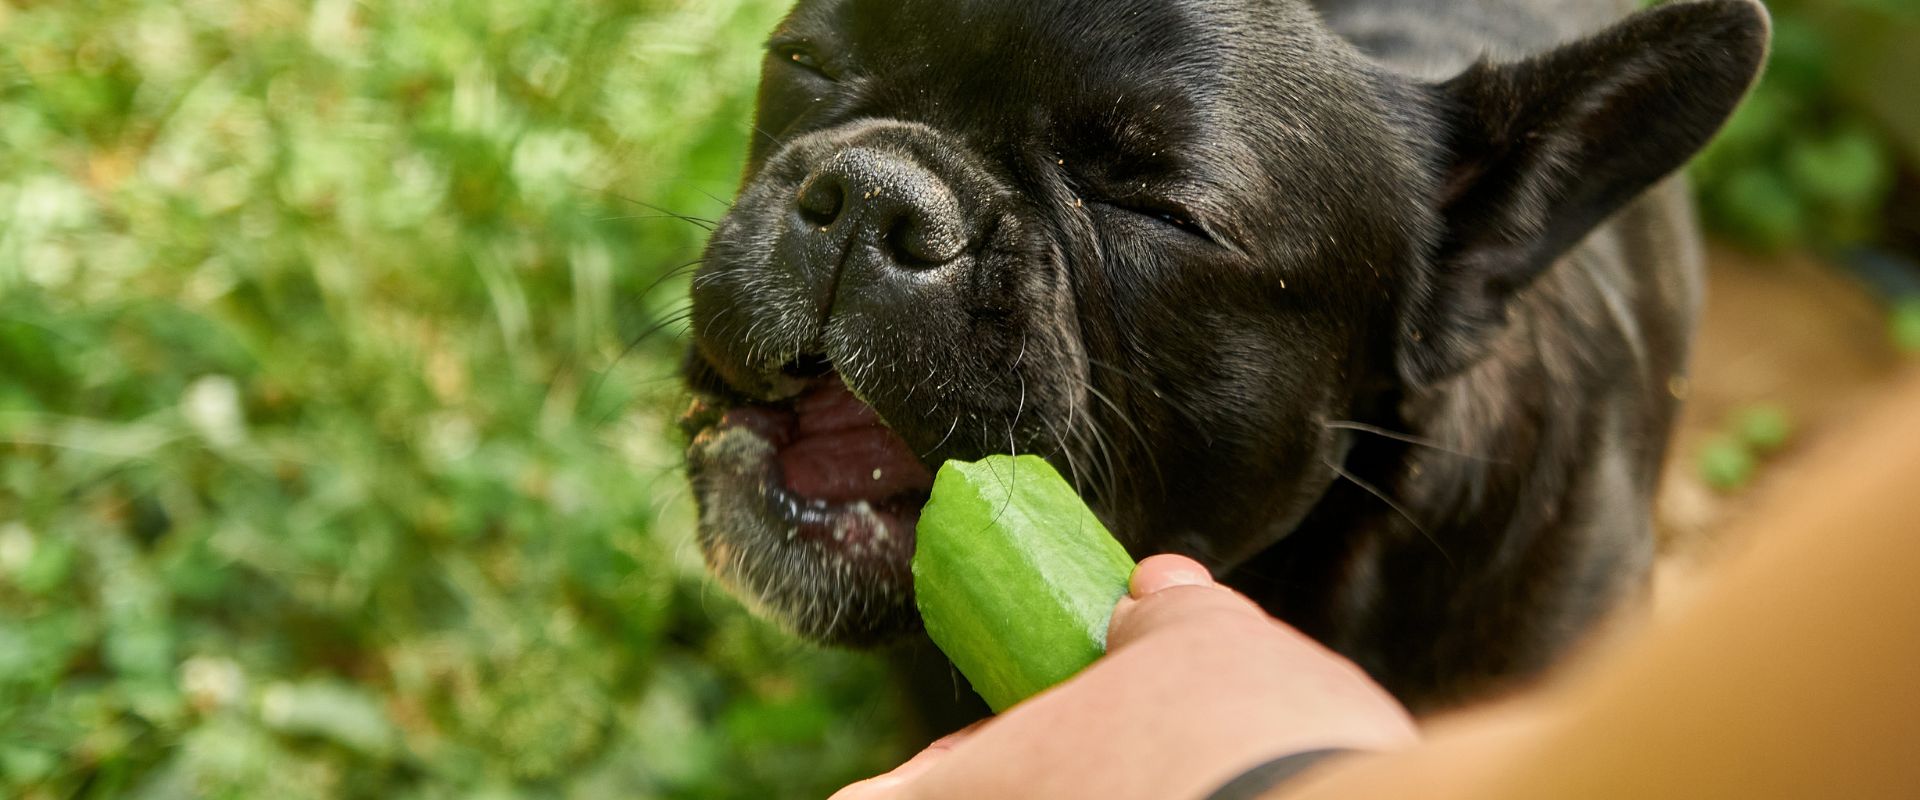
329, 462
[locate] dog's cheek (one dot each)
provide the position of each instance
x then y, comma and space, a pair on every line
1041, 352
1235, 414
903, 349
747, 315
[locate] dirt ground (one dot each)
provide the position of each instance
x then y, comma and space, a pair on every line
1790, 332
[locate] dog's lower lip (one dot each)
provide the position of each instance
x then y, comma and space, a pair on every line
882, 530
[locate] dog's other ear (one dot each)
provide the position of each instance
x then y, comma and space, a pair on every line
1541, 151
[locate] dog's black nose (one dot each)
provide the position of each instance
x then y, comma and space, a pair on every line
862, 197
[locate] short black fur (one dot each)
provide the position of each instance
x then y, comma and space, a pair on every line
1381, 328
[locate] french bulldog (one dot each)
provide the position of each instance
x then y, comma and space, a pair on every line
1378, 308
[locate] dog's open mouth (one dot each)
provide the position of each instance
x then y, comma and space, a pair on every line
836, 474
808, 506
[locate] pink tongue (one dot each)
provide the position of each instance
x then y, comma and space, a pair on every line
843, 453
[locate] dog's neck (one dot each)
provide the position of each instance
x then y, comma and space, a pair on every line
1525, 470
1487, 474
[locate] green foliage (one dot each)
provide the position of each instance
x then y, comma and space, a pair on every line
324, 468
1906, 327
1766, 428
1811, 158
1753, 434
1727, 464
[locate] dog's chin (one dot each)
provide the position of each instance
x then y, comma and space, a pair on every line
807, 511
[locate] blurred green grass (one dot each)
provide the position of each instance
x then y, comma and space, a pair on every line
324, 467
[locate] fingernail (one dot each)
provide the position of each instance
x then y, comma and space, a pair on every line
1183, 577
1161, 573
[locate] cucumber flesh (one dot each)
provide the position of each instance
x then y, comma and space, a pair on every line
1014, 576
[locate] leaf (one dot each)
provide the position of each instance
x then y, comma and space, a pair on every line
1764, 428
338, 712
1727, 465
1906, 326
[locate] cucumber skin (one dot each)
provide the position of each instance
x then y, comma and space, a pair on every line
1016, 591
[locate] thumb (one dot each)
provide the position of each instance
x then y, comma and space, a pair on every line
1169, 591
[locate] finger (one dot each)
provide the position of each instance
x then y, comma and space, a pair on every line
1185, 606
1164, 572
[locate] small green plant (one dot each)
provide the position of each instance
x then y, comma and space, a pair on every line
1906, 327
1765, 428
1727, 464
1753, 434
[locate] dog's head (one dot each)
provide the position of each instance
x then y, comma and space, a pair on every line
1160, 242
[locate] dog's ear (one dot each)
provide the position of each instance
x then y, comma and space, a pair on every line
1537, 153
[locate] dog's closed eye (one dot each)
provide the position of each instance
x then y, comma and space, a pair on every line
803, 55
1169, 215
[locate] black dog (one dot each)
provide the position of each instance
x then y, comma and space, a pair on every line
1387, 334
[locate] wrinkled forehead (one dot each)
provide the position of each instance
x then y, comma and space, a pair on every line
1032, 38
1027, 64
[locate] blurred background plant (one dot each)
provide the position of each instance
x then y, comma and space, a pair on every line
1825, 154
334, 453
1823, 158
336, 355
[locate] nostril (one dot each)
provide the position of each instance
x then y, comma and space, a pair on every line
904, 245
886, 202
822, 199
915, 240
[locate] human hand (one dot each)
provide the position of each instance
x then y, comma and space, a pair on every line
1198, 685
